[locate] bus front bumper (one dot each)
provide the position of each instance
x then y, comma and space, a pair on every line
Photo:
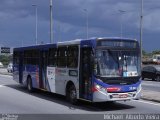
103, 96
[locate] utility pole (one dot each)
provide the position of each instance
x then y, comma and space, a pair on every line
36, 37
141, 31
51, 21
86, 10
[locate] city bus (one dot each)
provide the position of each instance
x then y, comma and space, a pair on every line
95, 70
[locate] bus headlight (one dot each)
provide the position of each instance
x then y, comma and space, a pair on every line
98, 87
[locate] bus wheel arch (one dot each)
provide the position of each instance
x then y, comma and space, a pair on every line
29, 84
71, 93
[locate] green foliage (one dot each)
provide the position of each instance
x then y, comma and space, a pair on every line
144, 53
155, 52
5, 59
150, 54
147, 57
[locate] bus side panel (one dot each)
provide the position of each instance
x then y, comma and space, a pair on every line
63, 76
21, 67
60, 79
35, 76
16, 72
33, 72
17, 66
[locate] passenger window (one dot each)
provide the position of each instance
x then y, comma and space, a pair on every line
52, 57
72, 57
62, 57
31, 57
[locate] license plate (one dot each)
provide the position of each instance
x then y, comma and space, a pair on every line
123, 95
120, 95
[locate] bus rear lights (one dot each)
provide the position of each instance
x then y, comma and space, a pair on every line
113, 89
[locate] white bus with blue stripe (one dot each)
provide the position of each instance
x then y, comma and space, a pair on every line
95, 70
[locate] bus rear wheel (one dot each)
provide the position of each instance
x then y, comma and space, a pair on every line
72, 94
29, 84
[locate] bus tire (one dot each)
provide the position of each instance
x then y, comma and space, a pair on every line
29, 84
72, 94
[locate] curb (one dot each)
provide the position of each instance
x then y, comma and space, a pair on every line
153, 100
150, 95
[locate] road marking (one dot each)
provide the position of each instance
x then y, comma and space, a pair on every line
157, 104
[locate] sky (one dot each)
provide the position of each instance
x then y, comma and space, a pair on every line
17, 21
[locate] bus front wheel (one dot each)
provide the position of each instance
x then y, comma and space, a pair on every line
29, 84
72, 94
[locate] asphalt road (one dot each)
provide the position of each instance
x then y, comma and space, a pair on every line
15, 99
151, 85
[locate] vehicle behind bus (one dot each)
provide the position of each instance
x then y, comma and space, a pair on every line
156, 59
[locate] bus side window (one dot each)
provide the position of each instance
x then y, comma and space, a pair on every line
62, 57
72, 57
31, 57
52, 57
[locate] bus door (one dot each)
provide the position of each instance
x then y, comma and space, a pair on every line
20, 67
43, 68
85, 84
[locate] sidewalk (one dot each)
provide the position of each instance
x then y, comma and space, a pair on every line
3, 71
150, 95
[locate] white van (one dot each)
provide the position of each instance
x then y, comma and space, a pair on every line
10, 67
156, 58
1, 64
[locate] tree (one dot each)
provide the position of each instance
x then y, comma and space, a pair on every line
144, 53
155, 52
5, 59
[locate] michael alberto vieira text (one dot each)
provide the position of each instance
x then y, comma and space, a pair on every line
131, 116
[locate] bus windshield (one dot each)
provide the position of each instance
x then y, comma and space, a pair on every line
112, 63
